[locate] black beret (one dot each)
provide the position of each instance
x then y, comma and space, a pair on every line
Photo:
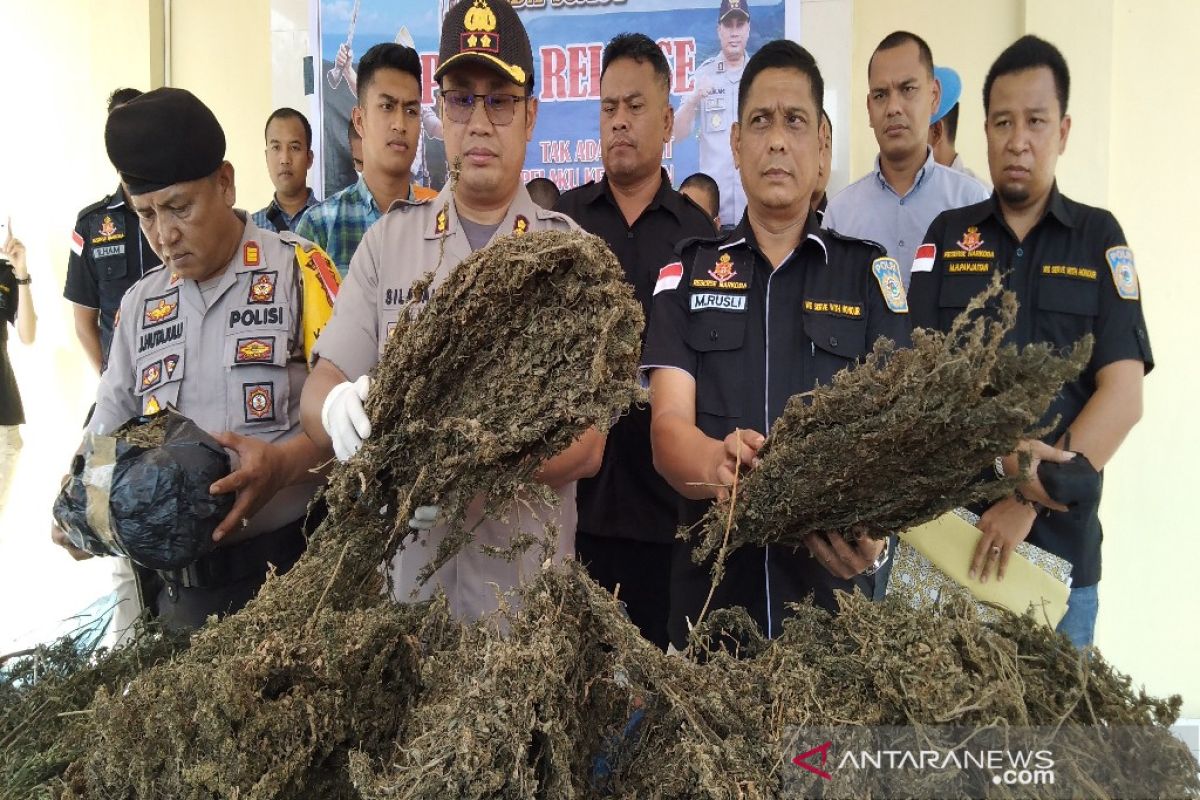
490, 33
164, 137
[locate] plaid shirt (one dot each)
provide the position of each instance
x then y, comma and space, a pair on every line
266, 218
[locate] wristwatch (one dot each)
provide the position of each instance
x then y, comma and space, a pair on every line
880, 560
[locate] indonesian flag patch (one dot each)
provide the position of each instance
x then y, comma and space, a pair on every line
923, 262
669, 277
76, 243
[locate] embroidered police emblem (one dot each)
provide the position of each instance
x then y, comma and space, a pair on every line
259, 401
887, 272
170, 362
151, 406
1120, 260
480, 33
262, 288
255, 350
250, 254
971, 240
520, 225
107, 227
723, 270
715, 122
152, 375
158, 310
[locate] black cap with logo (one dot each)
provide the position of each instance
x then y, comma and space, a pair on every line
161, 138
733, 7
487, 32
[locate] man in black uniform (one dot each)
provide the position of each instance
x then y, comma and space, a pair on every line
741, 324
1073, 273
628, 513
108, 254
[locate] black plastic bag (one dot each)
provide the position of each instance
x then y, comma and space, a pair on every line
148, 503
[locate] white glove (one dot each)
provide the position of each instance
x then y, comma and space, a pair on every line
344, 418
424, 518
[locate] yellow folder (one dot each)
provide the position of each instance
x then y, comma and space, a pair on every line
949, 543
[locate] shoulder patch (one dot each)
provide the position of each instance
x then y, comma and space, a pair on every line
669, 277
1120, 261
887, 273
923, 260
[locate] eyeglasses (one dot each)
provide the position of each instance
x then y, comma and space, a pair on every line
500, 108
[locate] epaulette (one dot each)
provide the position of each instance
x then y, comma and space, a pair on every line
96, 206
854, 240
684, 244
291, 238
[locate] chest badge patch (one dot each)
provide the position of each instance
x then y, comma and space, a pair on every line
1120, 260
520, 225
170, 363
158, 310
887, 272
262, 288
971, 239
260, 401
255, 350
723, 270
152, 375
250, 256
151, 406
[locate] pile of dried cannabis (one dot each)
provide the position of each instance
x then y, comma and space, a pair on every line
899, 440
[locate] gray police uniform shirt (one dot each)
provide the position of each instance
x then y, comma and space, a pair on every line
870, 209
715, 116
401, 247
236, 364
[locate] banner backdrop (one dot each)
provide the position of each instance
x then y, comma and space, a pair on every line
568, 38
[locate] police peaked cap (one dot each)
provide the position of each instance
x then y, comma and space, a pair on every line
163, 137
490, 33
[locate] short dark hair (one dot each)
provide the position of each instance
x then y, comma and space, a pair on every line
1030, 52
950, 121
351, 131
120, 97
898, 38
781, 54
641, 48
387, 55
704, 182
543, 191
290, 113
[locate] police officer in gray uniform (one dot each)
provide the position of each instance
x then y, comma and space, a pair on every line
217, 332
714, 102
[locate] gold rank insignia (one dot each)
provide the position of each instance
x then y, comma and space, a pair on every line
250, 254
1120, 260
480, 33
520, 225
971, 239
887, 272
256, 349
151, 406
262, 288
723, 270
441, 223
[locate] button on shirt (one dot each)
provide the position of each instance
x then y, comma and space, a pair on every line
338, 223
233, 363
751, 337
715, 114
870, 209
1073, 275
108, 255
274, 218
628, 498
411, 239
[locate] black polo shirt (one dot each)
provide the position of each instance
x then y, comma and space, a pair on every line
752, 337
627, 498
1073, 275
108, 255
11, 410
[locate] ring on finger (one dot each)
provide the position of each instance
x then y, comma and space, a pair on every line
995, 551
